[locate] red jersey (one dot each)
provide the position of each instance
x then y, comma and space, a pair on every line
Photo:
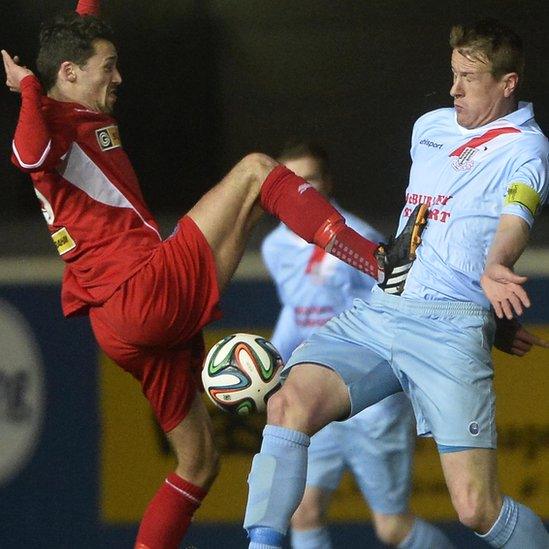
89, 192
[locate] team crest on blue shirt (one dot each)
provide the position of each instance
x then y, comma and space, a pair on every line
464, 162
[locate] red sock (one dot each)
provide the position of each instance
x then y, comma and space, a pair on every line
169, 514
354, 249
311, 216
88, 7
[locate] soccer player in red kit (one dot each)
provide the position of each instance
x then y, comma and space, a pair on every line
147, 298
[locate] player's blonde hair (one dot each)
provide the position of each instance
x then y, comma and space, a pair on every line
490, 41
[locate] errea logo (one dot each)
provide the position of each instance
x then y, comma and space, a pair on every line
108, 138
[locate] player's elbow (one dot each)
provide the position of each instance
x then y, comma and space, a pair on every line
30, 160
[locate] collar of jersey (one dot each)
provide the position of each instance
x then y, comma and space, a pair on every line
516, 118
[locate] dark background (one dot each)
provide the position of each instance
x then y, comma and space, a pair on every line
206, 82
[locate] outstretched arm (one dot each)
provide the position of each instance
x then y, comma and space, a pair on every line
88, 7
501, 285
33, 146
32, 142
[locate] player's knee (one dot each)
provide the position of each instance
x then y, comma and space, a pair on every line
280, 406
471, 516
389, 534
475, 509
392, 529
252, 171
307, 516
289, 407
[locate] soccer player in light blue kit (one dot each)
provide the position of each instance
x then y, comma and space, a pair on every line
482, 167
377, 444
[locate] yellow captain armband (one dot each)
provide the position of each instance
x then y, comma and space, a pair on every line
520, 193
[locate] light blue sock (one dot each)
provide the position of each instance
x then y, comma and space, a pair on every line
261, 545
316, 538
276, 485
425, 535
517, 527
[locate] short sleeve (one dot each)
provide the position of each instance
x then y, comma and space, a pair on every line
527, 189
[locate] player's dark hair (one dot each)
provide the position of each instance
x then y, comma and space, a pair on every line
68, 37
298, 148
489, 40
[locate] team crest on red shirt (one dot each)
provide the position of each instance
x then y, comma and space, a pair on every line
108, 138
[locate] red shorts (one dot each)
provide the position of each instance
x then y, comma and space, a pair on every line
151, 326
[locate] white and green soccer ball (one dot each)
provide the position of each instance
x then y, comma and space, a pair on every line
241, 372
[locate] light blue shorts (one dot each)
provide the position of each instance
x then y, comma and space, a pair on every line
439, 352
377, 447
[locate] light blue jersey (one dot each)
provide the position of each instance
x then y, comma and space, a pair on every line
468, 178
312, 286
436, 338
377, 444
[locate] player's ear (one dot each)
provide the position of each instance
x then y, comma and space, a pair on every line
510, 81
67, 72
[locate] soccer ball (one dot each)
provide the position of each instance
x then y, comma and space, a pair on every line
241, 372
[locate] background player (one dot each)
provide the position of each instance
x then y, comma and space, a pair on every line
485, 181
376, 445
148, 298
